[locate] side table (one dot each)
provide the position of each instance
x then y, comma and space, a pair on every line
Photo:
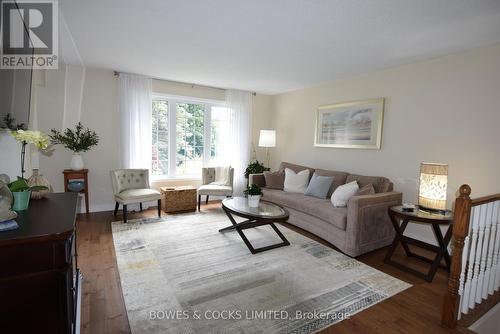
178, 199
70, 175
400, 220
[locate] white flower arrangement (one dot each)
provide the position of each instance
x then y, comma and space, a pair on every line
37, 138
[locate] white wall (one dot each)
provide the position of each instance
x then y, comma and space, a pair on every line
57, 99
444, 110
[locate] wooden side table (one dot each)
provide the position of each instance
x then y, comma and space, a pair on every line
70, 175
178, 199
400, 220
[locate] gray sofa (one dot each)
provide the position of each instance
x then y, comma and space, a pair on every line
360, 227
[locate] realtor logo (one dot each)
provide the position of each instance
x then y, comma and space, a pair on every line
29, 35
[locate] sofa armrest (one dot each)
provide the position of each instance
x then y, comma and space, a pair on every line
368, 223
257, 179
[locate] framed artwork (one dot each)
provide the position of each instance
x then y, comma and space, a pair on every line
350, 125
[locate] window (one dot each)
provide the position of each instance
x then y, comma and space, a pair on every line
187, 135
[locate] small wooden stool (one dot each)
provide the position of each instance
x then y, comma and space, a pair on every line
178, 199
70, 175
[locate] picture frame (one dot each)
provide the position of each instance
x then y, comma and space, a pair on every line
356, 124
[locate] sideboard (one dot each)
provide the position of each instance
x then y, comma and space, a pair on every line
40, 283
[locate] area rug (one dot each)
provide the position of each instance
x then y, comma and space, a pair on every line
180, 275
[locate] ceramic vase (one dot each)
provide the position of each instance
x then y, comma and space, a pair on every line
253, 201
37, 179
76, 162
21, 200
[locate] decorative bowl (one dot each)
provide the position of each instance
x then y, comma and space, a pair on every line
75, 186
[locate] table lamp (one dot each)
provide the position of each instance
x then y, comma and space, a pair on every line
267, 138
433, 187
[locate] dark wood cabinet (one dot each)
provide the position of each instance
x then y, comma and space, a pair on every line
40, 284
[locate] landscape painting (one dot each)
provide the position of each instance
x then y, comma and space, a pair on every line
350, 125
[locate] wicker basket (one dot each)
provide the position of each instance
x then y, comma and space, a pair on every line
178, 199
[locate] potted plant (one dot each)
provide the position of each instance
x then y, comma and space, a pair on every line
254, 193
255, 168
78, 141
20, 189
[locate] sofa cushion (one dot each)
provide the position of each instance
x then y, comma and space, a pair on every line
319, 186
381, 184
275, 180
295, 168
296, 182
319, 208
339, 178
342, 194
366, 190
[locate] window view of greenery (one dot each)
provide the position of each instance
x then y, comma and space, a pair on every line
160, 137
188, 149
189, 135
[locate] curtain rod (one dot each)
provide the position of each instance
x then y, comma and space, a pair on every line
117, 74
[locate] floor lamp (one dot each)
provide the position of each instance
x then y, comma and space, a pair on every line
267, 138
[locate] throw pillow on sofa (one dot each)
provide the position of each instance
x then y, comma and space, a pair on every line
366, 190
296, 182
319, 186
275, 180
341, 195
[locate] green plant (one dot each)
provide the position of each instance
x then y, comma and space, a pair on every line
9, 122
79, 140
255, 168
22, 185
253, 190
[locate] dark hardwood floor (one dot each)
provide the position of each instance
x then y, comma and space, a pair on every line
415, 310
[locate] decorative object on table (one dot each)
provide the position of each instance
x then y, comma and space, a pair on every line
408, 207
433, 187
21, 192
77, 181
8, 225
400, 220
267, 139
78, 141
6, 199
255, 167
253, 193
25, 137
207, 188
350, 125
178, 199
131, 186
37, 179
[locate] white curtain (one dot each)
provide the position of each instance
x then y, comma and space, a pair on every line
135, 113
238, 147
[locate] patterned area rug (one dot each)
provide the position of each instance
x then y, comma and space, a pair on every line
180, 275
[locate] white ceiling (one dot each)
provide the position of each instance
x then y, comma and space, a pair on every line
273, 46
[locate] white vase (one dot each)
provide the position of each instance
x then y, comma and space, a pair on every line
253, 201
76, 162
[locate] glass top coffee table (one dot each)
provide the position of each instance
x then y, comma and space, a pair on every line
266, 214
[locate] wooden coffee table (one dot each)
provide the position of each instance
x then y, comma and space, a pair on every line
266, 214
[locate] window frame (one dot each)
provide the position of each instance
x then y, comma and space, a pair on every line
173, 100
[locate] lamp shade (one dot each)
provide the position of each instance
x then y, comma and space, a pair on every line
267, 138
433, 186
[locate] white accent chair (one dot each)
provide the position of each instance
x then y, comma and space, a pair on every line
132, 186
207, 189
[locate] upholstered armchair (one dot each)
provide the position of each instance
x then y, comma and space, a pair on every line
132, 186
207, 187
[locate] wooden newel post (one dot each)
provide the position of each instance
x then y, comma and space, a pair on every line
460, 230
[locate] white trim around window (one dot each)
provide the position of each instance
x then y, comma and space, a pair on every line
172, 101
